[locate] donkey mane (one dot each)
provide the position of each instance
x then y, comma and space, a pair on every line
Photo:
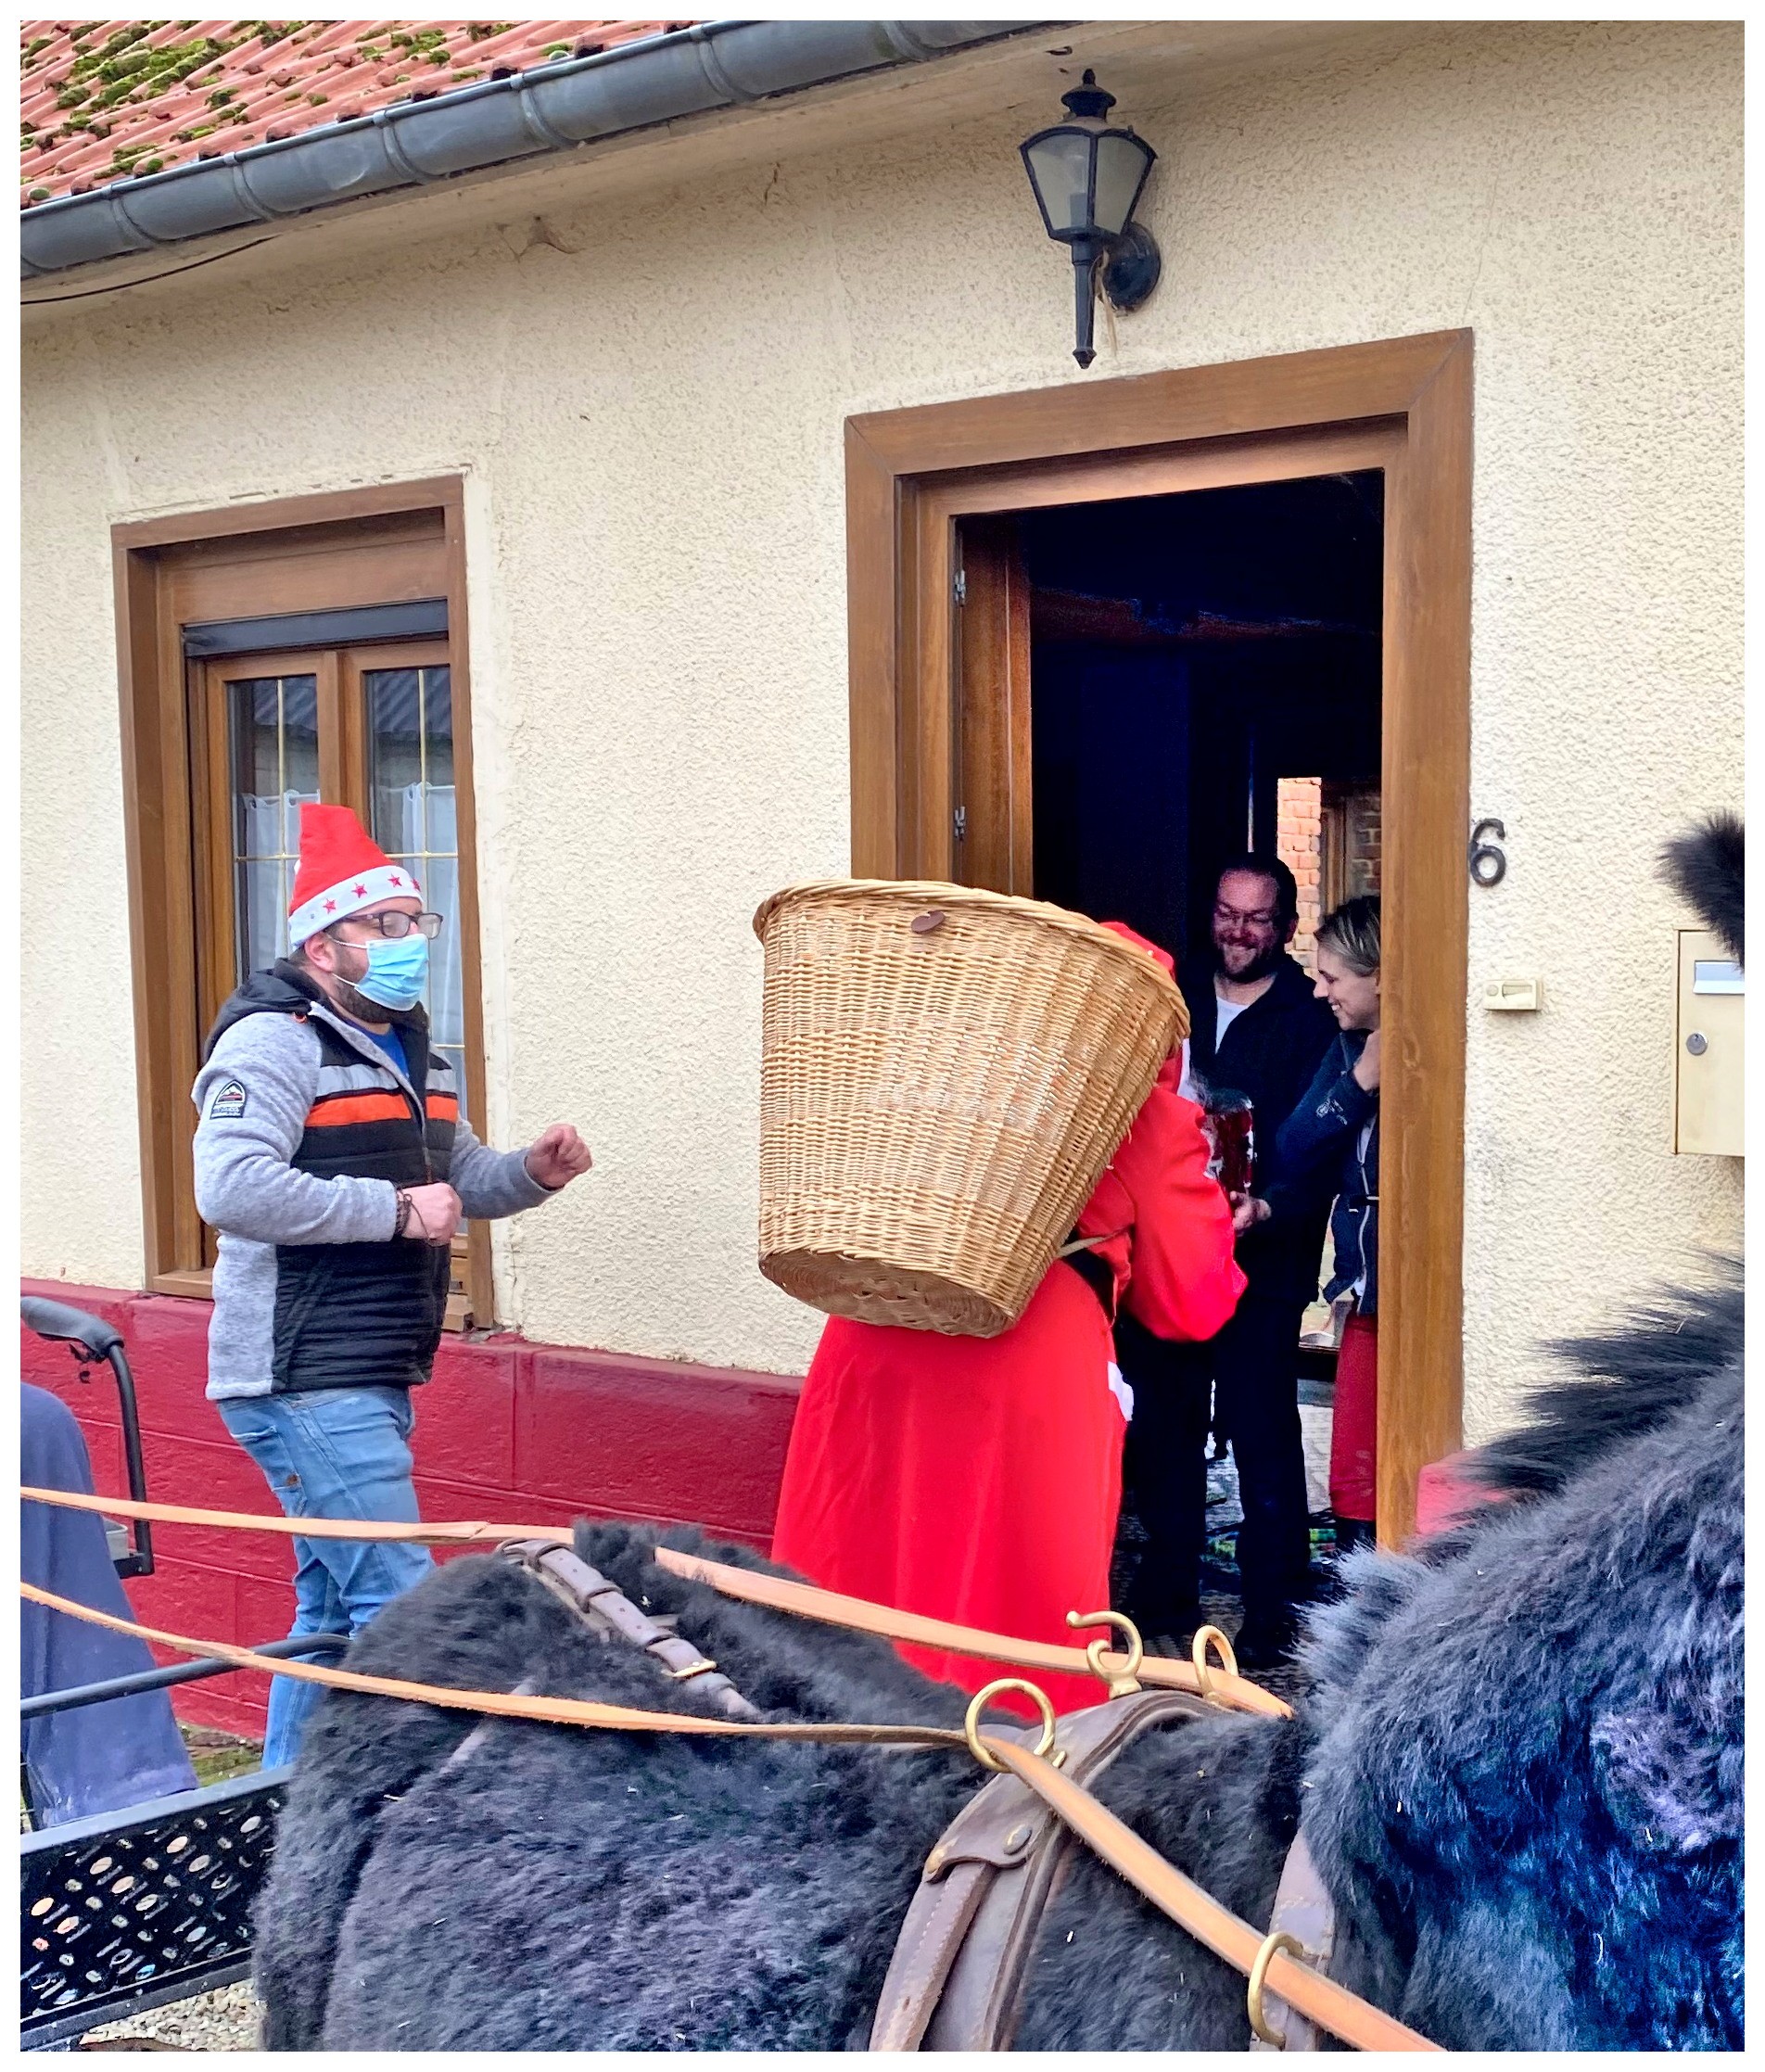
1629, 1382
1708, 869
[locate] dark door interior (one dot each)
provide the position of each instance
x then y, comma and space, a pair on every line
1203, 676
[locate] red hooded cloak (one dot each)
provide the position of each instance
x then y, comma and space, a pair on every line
978, 1480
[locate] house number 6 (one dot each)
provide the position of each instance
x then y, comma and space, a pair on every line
1488, 859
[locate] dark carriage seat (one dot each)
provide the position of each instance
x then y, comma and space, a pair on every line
99, 1758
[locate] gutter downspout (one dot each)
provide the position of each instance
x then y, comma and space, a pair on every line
552, 107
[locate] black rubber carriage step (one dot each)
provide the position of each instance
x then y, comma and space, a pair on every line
126, 1912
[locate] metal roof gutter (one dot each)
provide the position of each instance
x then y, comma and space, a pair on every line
552, 107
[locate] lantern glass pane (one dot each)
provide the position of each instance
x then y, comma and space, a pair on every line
1120, 166
1060, 167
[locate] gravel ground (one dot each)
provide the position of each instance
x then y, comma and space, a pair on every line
223, 2021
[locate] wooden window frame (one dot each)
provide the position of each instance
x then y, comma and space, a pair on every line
342, 549
912, 474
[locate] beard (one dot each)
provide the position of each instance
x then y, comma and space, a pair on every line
357, 1006
1260, 965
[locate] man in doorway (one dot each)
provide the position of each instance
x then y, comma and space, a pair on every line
332, 1158
1256, 1030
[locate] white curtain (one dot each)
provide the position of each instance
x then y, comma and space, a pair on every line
270, 829
439, 877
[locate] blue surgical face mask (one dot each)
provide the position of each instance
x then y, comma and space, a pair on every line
397, 972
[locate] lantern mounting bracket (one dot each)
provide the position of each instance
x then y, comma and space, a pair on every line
1130, 268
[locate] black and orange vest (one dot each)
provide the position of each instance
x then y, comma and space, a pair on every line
359, 1315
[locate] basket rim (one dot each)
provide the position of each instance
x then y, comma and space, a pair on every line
929, 891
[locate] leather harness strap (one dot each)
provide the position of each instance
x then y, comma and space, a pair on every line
929, 1941
1304, 1910
512, 1705
957, 1979
1345, 2015
610, 1612
480, 1734
780, 1594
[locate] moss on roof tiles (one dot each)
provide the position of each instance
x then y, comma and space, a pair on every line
146, 75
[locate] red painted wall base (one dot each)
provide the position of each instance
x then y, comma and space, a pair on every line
505, 1430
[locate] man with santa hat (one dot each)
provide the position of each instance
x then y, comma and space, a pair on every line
332, 1157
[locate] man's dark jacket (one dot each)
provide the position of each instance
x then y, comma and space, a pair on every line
1270, 1053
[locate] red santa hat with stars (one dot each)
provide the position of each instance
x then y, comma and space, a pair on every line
342, 870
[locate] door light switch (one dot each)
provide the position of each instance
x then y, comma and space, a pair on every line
1514, 996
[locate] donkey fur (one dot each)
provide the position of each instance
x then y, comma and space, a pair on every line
1519, 1771
1708, 869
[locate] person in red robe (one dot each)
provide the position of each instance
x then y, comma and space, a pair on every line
978, 1480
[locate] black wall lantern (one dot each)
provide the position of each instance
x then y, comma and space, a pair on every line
1087, 179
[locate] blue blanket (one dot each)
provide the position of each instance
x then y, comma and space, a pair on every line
99, 1758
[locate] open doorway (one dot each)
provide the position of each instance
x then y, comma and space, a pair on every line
1199, 674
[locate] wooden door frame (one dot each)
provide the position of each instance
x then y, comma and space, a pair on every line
156, 777
911, 473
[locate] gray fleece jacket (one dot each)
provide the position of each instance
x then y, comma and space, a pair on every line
306, 1131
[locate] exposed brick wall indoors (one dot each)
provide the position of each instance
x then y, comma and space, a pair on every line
1299, 844
1361, 841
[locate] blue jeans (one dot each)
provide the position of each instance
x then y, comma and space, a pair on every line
332, 1453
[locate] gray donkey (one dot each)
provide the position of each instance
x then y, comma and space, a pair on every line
1519, 1769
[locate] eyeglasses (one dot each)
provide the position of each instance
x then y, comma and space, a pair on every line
395, 927
1225, 916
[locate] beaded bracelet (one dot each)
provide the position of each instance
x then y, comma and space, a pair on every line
403, 1218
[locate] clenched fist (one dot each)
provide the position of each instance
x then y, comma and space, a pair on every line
557, 1156
434, 1212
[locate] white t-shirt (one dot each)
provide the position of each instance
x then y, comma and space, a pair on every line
1224, 1013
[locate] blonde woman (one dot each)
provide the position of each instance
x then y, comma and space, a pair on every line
1332, 1138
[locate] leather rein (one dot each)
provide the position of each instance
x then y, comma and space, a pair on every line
772, 1592
942, 1916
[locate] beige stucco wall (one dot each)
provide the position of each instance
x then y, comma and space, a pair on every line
648, 408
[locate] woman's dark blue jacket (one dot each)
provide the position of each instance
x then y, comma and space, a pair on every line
1327, 1144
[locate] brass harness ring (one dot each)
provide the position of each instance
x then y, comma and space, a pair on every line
1277, 1939
1121, 1682
1198, 1657
971, 1719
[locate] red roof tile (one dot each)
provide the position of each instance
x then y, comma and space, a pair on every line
112, 101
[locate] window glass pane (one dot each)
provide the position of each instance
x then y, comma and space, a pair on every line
273, 732
411, 786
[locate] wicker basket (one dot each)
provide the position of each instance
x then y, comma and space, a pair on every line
944, 1075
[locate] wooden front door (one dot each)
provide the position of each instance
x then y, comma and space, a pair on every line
994, 796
